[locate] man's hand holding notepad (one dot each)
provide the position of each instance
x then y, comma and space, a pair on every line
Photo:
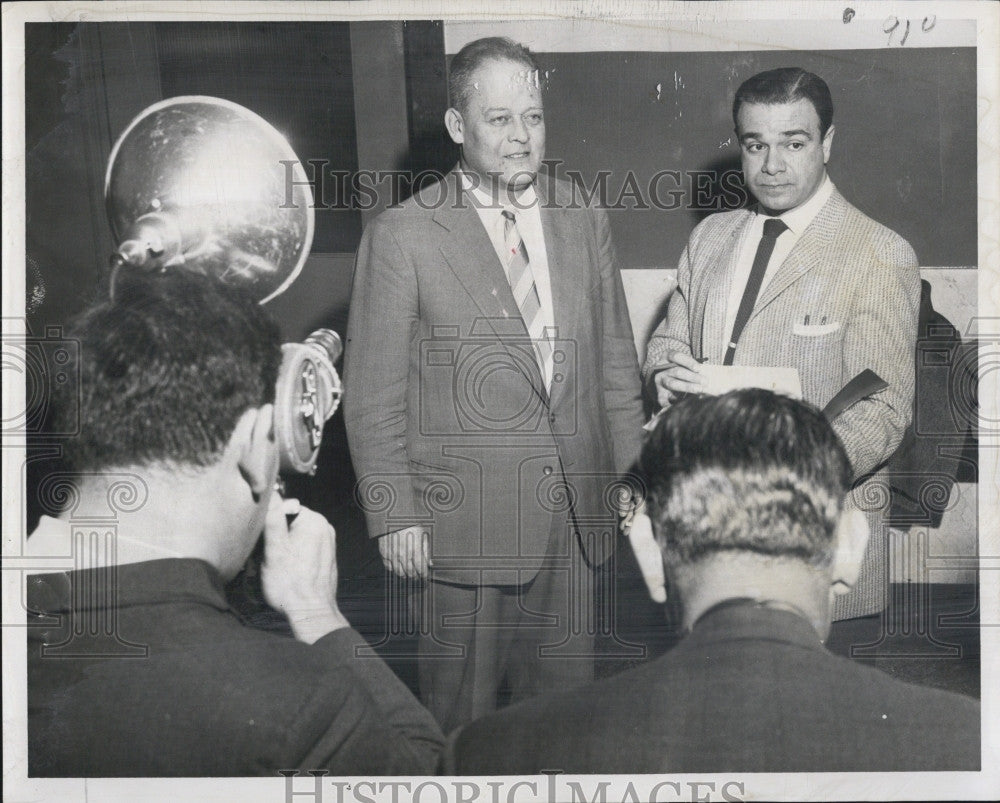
687, 375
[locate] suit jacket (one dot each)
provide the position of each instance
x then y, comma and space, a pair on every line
749, 690
847, 270
859, 285
183, 688
449, 423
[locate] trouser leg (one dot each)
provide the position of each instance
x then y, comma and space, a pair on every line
553, 648
538, 635
462, 649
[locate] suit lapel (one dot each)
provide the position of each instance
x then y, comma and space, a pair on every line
809, 251
471, 257
569, 279
713, 293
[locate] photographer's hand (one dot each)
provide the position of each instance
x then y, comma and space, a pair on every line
300, 569
406, 552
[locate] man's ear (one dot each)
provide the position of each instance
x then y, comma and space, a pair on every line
256, 448
455, 125
851, 541
648, 556
828, 143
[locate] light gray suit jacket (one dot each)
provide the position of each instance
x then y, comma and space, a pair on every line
859, 284
448, 420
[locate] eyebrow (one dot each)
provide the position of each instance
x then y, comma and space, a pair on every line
493, 109
795, 132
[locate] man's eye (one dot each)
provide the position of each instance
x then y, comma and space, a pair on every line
500, 119
796, 146
753, 147
534, 119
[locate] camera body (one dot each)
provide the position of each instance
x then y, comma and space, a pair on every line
307, 393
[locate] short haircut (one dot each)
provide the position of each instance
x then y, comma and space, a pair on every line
473, 56
166, 368
787, 85
748, 471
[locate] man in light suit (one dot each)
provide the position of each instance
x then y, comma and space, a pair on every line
802, 280
747, 505
493, 399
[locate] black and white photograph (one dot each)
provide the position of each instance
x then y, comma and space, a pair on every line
480, 402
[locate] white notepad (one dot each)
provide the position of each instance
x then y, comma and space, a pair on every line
721, 379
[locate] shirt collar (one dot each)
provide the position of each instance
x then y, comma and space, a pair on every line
53, 537
799, 218
526, 199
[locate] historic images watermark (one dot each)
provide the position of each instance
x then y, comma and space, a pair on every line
664, 190
314, 787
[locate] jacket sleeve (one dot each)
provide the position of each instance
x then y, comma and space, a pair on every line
381, 325
375, 727
673, 332
620, 370
881, 335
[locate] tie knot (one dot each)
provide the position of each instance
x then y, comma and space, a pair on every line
773, 227
508, 215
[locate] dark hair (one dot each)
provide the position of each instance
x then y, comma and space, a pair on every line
476, 53
787, 85
165, 371
748, 471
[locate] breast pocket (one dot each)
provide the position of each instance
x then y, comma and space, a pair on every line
817, 351
815, 330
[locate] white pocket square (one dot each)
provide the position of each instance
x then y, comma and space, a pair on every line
815, 330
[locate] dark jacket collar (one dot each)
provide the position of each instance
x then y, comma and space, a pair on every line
153, 582
750, 621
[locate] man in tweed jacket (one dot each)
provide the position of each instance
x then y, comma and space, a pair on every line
840, 294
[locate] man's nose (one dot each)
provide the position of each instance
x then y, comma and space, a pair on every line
518, 131
773, 163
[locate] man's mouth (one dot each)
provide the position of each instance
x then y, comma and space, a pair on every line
518, 155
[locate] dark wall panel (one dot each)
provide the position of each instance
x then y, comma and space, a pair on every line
295, 75
904, 149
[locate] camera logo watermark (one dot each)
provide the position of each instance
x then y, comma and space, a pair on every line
46, 365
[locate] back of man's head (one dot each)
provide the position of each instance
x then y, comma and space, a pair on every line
474, 55
166, 369
749, 472
787, 85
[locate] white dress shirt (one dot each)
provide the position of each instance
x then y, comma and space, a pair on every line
797, 220
528, 217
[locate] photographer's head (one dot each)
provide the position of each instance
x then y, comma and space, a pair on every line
166, 370
747, 499
176, 384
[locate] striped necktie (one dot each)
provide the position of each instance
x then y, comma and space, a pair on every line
522, 283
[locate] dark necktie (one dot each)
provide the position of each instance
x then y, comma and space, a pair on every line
773, 227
